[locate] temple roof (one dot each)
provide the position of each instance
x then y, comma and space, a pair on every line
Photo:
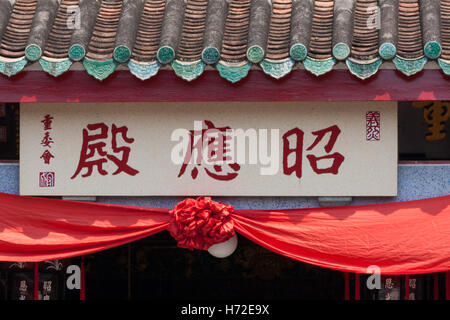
231, 36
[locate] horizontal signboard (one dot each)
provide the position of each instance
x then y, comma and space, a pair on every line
216, 149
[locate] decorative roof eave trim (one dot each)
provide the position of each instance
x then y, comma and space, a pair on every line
301, 25
387, 51
127, 29
341, 51
55, 67
255, 54
277, 69
409, 67
298, 52
319, 67
214, 30
432, 49
100, 70
43, 19
11, 67
144, 71
77, 52
430, 16
344, 14
188, 70
210, 55
363, 69
233, 72
445, 66
122, 54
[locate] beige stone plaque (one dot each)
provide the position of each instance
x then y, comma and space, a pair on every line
237, 149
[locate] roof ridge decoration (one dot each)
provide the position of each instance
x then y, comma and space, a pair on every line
230, 35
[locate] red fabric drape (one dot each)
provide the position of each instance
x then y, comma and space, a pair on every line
35, 229
401, 238
410, 237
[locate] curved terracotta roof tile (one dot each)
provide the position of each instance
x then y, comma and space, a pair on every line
322, 30
410, 44
191, 42
15, 37
234, 43
278, 43
149, 31
103, 39
231, 35
365, 33
59, 39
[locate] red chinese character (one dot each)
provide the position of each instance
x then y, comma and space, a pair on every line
47, 140
121, 164
47, 122
337, 157
47, 156
217, 144
373, 126
297, 135
90, 148
297, 151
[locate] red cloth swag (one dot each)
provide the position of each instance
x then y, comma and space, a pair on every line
400, 238
198, 224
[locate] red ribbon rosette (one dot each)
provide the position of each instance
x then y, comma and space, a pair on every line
200, 223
